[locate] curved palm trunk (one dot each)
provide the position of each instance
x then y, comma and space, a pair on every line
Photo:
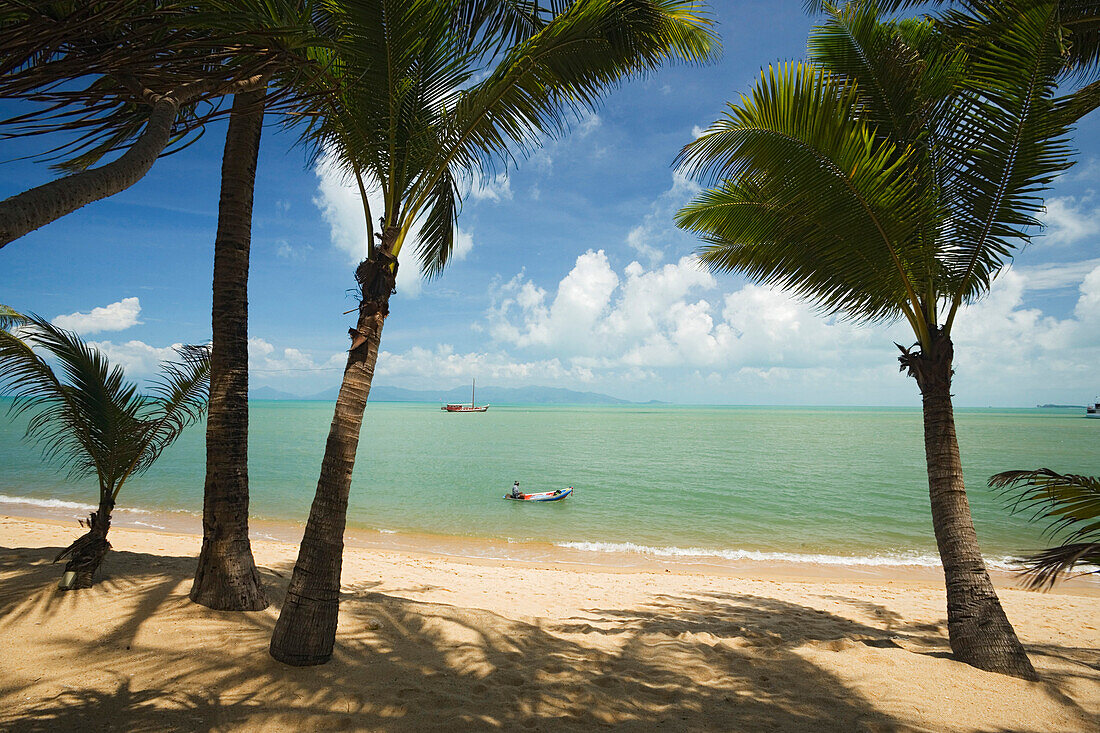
226, 578
306, 629
87, 553
37, 207
977, 626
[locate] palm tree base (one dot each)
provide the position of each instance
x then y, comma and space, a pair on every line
227, 579
305, 632
982, 636
85, 557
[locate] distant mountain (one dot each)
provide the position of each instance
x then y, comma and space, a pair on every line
267, 393
1061, 407
498, 395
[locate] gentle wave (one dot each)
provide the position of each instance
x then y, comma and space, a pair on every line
62, 504
901, 558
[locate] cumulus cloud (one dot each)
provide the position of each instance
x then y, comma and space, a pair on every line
137, 358
443, 364
114, 317
342, 209
264, 358
645, 325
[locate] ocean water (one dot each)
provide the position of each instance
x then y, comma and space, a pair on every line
829, 485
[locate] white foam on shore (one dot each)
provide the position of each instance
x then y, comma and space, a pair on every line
62, 504
46, 503
888, 559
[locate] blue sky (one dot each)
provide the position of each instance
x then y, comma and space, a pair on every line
569, 272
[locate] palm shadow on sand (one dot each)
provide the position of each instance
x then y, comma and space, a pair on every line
716, 662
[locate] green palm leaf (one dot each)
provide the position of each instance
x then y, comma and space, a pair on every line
1070, 506
811, 200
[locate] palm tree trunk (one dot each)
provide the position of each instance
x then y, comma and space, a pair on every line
306, 630
979, 631
87, 553
226, 578
34, 208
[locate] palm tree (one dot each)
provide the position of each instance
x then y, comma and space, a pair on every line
95, 422
1070, 504
226, 578
890, 179
415, 119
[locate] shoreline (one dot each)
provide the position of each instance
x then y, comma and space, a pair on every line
537, 553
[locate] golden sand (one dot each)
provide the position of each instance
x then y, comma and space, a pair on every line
430, 642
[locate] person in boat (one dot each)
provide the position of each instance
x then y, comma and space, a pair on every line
516, 493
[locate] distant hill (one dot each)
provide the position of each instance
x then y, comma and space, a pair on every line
1061, 407
267, 393
498, 395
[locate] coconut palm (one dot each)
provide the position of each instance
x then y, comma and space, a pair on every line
91, 420
226, 578
1070, 505
890, 179
438, 92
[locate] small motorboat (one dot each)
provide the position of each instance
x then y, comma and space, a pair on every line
555, 495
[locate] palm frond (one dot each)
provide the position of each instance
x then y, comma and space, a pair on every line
1044, 569
810, 199
1069, 504
92, 421
1018, 139
436, 238
549, 79
10, 318
179, 397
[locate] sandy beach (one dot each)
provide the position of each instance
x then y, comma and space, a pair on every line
431, 642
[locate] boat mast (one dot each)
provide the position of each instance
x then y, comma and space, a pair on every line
473, 384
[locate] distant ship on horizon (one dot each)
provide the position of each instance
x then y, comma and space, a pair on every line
1093, 410
460, 407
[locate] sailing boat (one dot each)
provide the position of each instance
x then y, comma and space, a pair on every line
466, 408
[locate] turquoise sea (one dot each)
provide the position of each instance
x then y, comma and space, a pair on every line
834, 485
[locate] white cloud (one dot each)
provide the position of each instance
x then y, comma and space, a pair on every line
341, 207
587, 123
758, 344
697, 132
114, 317
137, 358
1055, 275
1069, 220
496, 189
288, 362
429, 368
657, 232
284, 250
